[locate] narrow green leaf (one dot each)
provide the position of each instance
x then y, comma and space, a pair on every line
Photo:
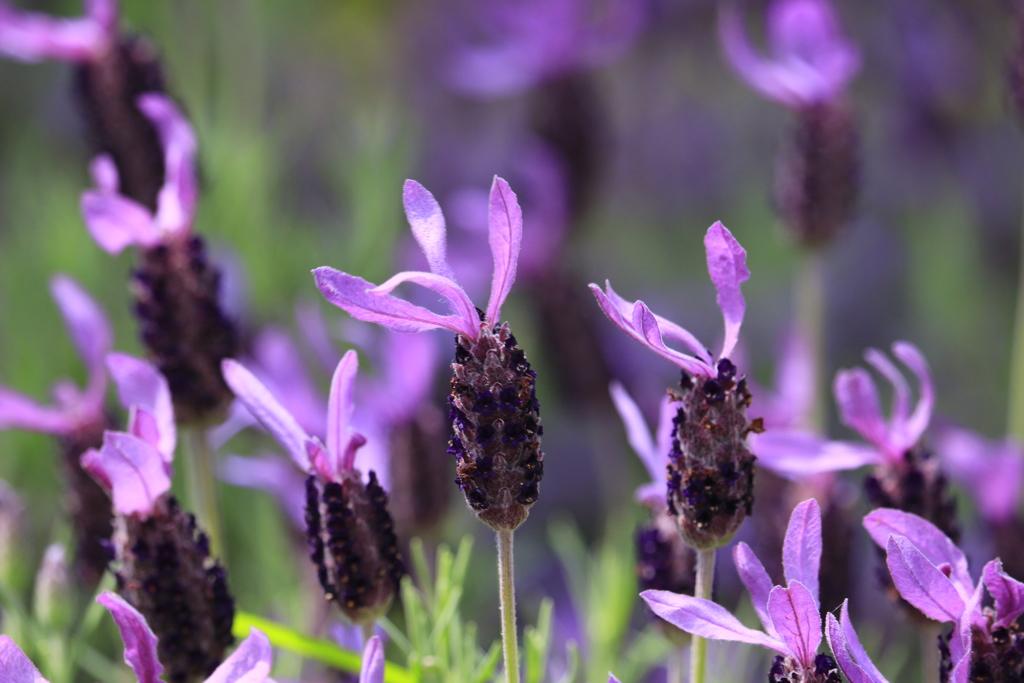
488, 665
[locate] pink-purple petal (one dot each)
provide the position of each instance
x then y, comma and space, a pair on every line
250, 663
116, 222
637, 433
131, 469
103, 172
920, 582
139, 641
961, 642
801, 550
372, 670
33, 37
859, 408
850, 656
456, 297
727, 266
795, 454
340, 407
706, 619
926, 537
266, 408
505, 234
794, 614
993, 471
668, 328
139, 383
15, 666
428, 227
900, 388
919, 419
755, 578
88, 325
1007, 592
177, 199
18, 411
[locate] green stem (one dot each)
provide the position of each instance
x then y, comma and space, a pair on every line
705, 579
1015, 419
202, 488
506, 586
809, 303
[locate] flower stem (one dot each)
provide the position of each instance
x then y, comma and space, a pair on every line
809, 303
202, 488
705, 578
1015, 419
676, 665
930, 652
506, 587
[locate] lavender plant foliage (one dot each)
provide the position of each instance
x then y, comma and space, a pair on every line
493, 404
351, 534
711, 470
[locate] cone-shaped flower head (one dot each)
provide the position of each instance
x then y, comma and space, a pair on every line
710, 469
77, 417
493, 405
810, 59
931, 573
351, 534
163, 562
790, 614
250, 663
34, 37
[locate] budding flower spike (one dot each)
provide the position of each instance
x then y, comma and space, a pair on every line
351, 534
250, 663
33, 37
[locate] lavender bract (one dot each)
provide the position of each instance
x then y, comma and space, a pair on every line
493, 405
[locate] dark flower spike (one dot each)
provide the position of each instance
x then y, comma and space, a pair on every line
351, 534
710, 469
494, 409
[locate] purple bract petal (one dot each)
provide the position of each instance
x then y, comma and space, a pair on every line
339, 413
457, 298
88, 325
141, 386
794, 613
960, 644
933, 544
796, 454
755, 578
853, 661
32, 37
103, 172
18, 411
993, 471
250, 663
15, 666
132, 470
116, 222
727, 266
857, 400
139, 640
505, 234
706, 619
920, 582
913, 427
176, 203
1007, 592
427, 223
801, 550
637, 433
373, 662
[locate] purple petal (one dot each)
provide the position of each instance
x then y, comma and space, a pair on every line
350, 293
139, 640
373, 662
280, 366
176, 204
32, 37
933, 544
250, 663
103, 172
668, 328
853, 661
801, 550
667, 411
505, 233
754, 69
1007, 592
85, 320
796, 454
727, 266
339, 410
18, 411
140, 385
427, 223
273, 474
457, 298
637, 434
914, 426
857, 400
993, 471
706, 619
265, 408
755, 578
794, 613
116, 222
920, 582
15, 667
960, 644
612, 679
805, 35
900, 388
131, 469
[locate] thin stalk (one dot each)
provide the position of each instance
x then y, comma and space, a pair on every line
930, 659
202, 488
1015, 419
367, 632
506, 586
705, 579
809, 303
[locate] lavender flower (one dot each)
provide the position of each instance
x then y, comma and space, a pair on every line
711, 471
494, 409
33, 37
164, 568
351, 535
850, 656
930, 572
790, 614
78, 419
250, 663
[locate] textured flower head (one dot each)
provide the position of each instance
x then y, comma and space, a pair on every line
790, 614
116, 221
365, 301
250, 663
33, 37
810, 59
74, 409
653, 452
727, 266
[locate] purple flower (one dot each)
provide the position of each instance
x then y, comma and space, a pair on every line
811, 60
727, 266
372, 670
931, 573
993, 471
33, 37
365, 301
529, 42
652, 452
790, 614
250, 663
74, 410
114, 220
850, 656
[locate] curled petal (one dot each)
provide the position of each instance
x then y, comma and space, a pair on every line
794, 613
372, 670
900, 388
755, 578
505, 234
637, 434
427, 223
139, 641
727, 266
918, 421
131, 469
668, 328
457, 298
15, 666
853, 661
141, 385
250, 663
116, 222
706, 619
926, 537
351, 294
33, 37
796, 454
18, 411
801, 550
920, 582
176, 204
340, 407
1007, 592
265, 408
857, 400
